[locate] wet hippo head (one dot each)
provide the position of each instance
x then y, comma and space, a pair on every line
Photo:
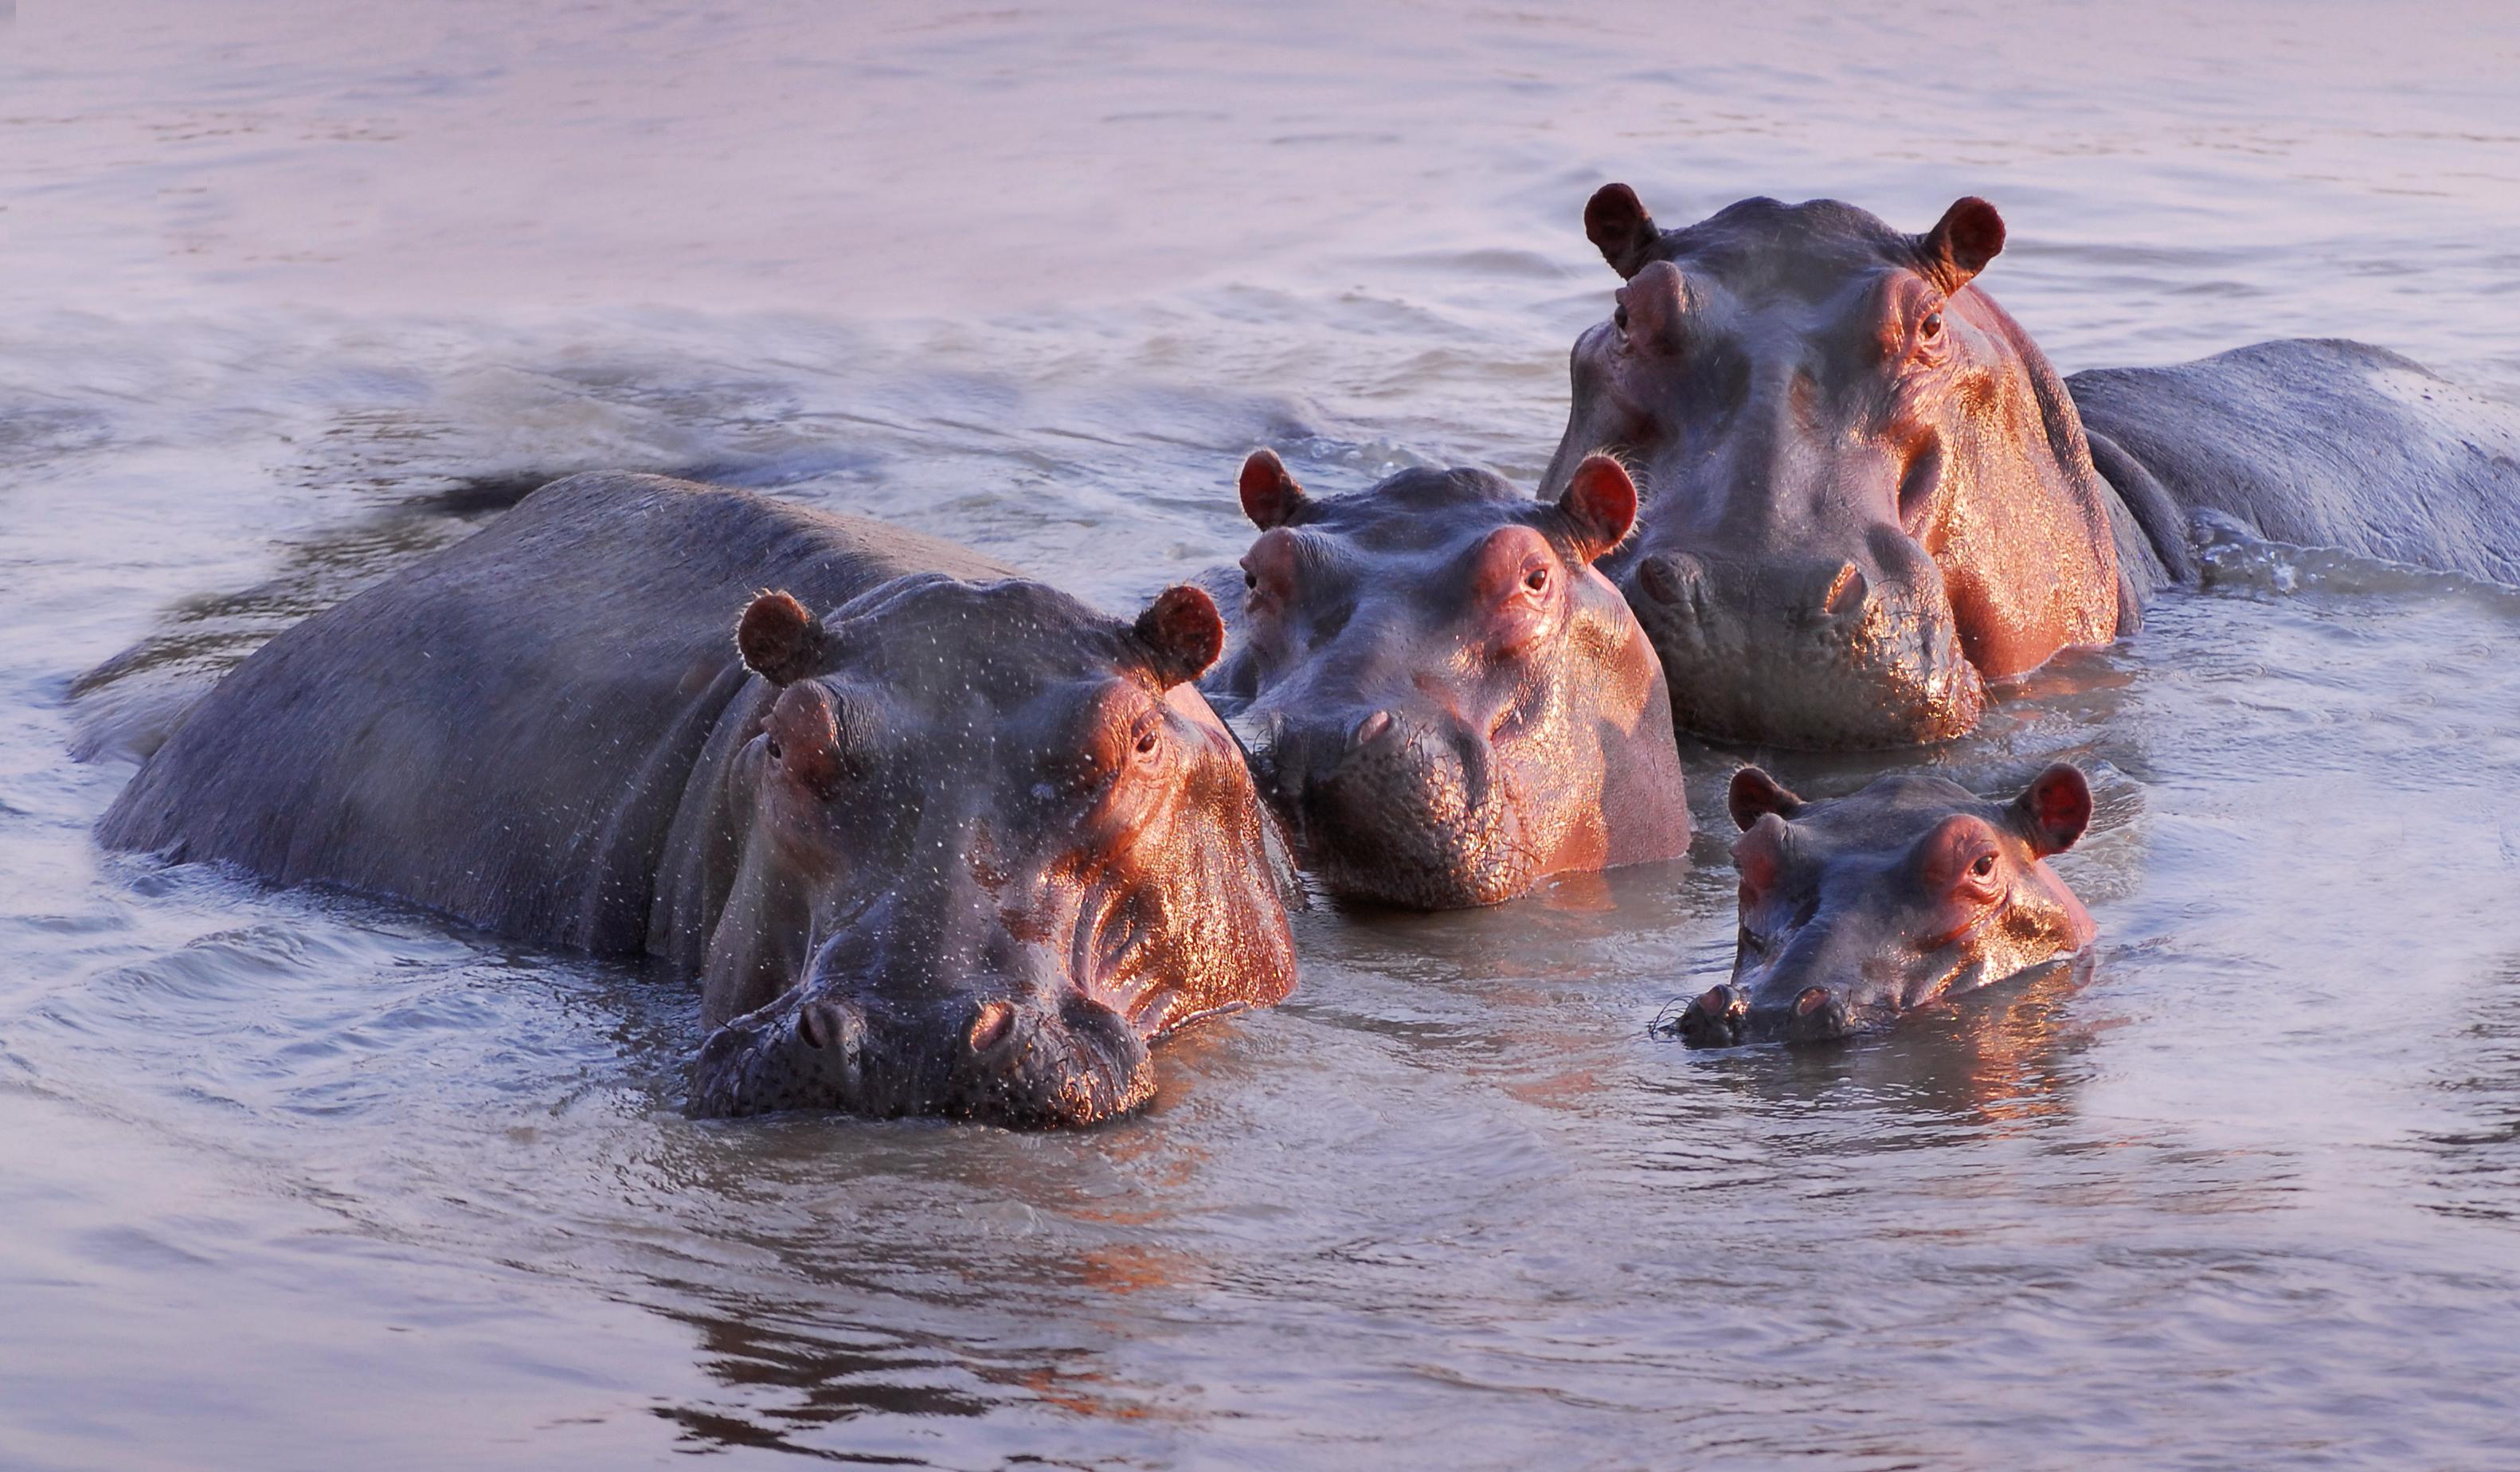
988, 844
1445, 700
1861, 909
1865, 491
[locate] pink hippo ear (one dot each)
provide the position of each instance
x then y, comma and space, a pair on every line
2056, 811
1616, 223
781, 638
1270, 495
1183, 634
1755, 794
1968, 235
1600, 505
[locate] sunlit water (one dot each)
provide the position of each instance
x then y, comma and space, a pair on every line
298, 1179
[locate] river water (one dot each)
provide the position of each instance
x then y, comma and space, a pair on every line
297, 1179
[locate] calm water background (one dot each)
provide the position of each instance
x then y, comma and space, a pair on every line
293, 1180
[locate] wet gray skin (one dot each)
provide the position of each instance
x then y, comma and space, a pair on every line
961, 846
1856, 909
1444, 702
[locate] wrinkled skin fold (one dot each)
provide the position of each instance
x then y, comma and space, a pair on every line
1856, 910
1866, 494
1444, 702
953, 844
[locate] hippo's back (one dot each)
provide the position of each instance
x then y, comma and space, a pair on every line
502, 729
2323, 443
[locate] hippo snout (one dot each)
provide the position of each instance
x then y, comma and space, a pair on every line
1399, 806
1025, 1065
1725, 1016
1073, 1062
1822, 651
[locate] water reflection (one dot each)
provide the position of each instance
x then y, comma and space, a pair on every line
320, 1173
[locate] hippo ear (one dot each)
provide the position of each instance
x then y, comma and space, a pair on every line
1182, 632
1600, 505
1617, 222
1968, 235
1270, 495
1755, 794
2055, 810
781, 638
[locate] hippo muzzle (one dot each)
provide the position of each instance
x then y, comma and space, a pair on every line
1809, 653
1065, 1061
1401, 807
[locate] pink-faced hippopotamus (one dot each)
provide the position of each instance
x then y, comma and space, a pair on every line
1856, 909
935, 840
1445, 702
1867, 493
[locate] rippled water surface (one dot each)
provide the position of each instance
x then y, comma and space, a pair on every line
296, 1179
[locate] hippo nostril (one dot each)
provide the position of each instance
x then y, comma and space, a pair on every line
1818, 1014
1714, 1017
1370, 729
990, 1023
1846, 592
821, 1024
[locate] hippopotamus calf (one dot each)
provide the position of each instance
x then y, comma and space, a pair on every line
956, 844
1866, 493
1856, 909
1446, 703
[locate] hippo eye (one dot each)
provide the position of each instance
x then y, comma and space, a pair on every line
1621, 316
774, 748
1984, 866
1250, 581
1537, 580
1931, 329
1147, 744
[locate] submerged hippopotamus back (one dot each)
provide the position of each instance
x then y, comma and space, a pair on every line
1446, 703
1856, 909
1867, 493
958, 844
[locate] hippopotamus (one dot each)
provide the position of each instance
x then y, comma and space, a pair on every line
933, 838
1859, 908
1867, 493
1445, 702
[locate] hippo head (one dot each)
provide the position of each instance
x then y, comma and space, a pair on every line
986, 845
1861, 909
1865, 492
1446, 701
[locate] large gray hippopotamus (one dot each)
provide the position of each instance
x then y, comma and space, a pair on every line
1445, 702
1856, 909
956, 844
1866, 493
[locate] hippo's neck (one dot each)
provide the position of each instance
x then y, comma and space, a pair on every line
2151, 533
